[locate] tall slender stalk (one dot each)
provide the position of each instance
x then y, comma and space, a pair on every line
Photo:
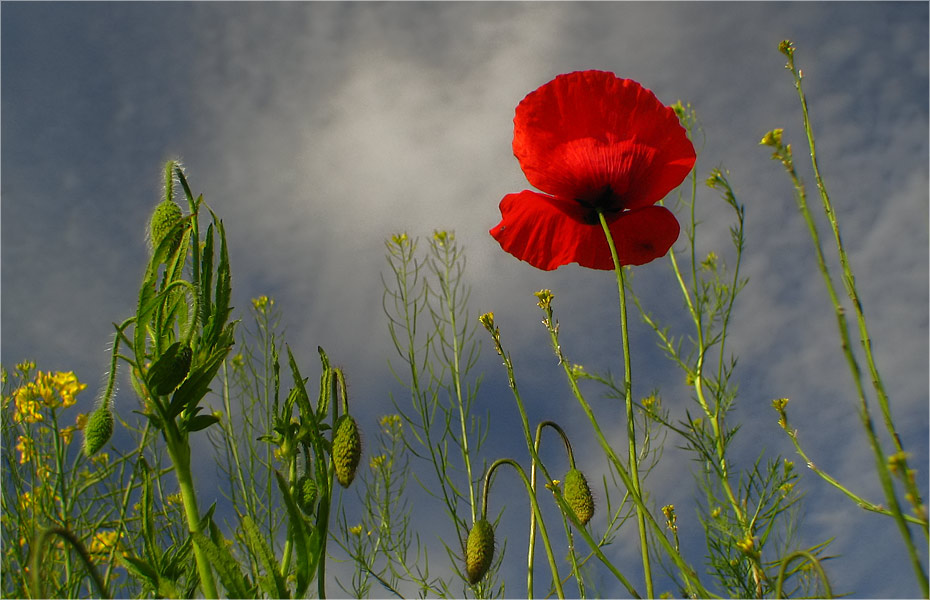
628, 399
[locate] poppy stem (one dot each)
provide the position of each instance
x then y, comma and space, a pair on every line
628, 398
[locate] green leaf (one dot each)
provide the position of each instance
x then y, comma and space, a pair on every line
303, 400
140, 569
206, 276
202, 422
197, 384
226, 567
271, 582
221, 308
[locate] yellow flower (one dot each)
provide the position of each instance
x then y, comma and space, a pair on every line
103, 542
357, 530
27, 449
391, 424
26, 502
43, 473
27, 408
376, 462
68, 387
262, 303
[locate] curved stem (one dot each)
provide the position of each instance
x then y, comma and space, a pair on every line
531, 552
556, 580
813, 559
82, 553
628, 398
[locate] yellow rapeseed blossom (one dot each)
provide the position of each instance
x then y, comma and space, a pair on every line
376, 462
391, 424
27, 449
357, 530
53, 390
262, 303
27, 408
103, 542
26, 503
68, 387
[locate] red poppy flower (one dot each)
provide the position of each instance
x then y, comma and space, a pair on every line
593, 142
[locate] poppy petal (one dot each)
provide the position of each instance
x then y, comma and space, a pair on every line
586, 130
548, 233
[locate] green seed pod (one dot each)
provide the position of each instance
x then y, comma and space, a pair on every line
306, 494
578, 495
170, 369
347, 449
479, 551
98, 430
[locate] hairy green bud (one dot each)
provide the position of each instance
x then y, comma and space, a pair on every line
306, 494
170, 369
167, 214
347, 449
479, 551
578, 495
98, 430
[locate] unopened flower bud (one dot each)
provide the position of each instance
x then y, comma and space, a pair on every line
167, 214
347, 450
578, 495
479, 551
98, 430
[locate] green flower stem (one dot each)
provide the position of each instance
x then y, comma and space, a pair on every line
127, 495
289, 543
691, 578
714, 415
628, 394
859, 500
456, 374
37, 557
531, 552
180, 453
783, 153
817, 567
556, 580
849, 283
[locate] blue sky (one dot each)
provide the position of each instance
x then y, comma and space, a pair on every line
316, 130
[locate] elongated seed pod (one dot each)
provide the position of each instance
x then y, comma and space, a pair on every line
347, 449
98, 430
578, 495
479, 550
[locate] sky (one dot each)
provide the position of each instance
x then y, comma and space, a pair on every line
318, 130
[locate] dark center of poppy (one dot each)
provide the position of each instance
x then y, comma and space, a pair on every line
603, 202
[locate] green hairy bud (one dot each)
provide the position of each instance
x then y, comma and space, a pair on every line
170, 369
306, 494
347, 449
98, 430
578, 495
479, 551
167, 214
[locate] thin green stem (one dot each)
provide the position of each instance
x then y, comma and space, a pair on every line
864, 414
37, 557
849, 283
628, 398
828, 591
556, 580
691, 579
